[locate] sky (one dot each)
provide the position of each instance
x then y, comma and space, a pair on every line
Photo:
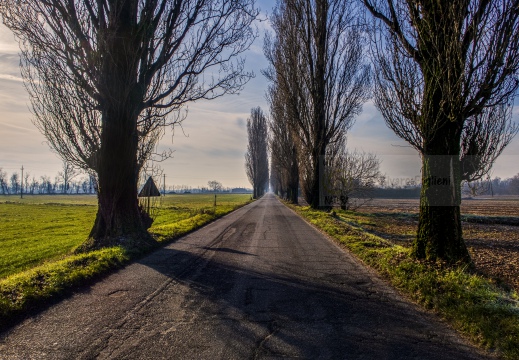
213, 140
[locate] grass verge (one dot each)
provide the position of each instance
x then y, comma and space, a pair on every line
57, 274
485, 313
30, 290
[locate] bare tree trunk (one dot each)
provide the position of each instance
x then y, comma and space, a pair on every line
319, 99
293, 184
439, 233
316, 191
119, 219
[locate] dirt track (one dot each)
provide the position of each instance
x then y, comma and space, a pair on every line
259, 283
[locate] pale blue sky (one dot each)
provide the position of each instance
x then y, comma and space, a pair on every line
217, 135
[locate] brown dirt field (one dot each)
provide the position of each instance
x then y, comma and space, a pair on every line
496, 206
494, 247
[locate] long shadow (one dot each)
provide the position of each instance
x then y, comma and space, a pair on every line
272, 312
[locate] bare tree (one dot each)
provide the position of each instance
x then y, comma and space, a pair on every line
122, 69
283, 145
351, 177
66, 175
476, 187
214, 185
45, 185
317, 57
25, 184
15, 183
277, 182
3, 182
446, 73
256, 158
33, 187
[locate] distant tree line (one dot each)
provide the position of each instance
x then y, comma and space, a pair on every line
487, 187
63, 183
189, 189
495, 186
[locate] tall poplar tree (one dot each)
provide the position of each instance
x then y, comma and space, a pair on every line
446, 75
106, 74
256, 158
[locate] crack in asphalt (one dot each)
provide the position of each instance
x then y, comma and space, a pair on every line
273, 328
172, 279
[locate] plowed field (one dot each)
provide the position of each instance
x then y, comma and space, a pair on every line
490, 229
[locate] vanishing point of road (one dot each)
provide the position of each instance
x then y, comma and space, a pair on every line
260, 283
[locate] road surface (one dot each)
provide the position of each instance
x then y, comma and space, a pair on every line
259, 283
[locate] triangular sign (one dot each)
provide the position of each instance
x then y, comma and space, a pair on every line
149, 189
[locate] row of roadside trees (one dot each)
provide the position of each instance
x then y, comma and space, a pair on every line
256, 157
445, 77
106, 77
319, 80
67, 181
14, 184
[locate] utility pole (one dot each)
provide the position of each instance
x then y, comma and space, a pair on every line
164, 191
21, 185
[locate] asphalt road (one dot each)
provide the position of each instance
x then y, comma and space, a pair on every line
259, 283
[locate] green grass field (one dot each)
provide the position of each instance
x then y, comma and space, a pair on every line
44, 228
38, 235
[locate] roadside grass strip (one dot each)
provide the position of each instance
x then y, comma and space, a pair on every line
482, 311
29, 290
31, 285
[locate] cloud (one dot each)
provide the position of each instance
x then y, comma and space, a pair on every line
8, 43
10, 77
13, 97
215, 146
10, 64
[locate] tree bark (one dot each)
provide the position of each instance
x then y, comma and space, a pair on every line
319, 95
317, 192
293, 186
439, 233
120, 220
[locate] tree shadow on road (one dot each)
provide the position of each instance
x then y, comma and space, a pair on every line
239, 311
